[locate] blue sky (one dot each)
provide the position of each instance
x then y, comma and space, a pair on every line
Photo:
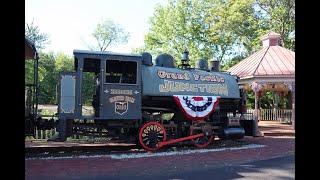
70, 22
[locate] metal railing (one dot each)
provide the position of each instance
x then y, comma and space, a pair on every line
273, 114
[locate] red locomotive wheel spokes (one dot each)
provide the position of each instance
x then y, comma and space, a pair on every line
201, 141
150, 134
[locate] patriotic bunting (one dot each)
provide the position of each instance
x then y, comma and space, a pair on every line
196, 107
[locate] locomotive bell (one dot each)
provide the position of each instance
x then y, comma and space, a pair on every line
185, 57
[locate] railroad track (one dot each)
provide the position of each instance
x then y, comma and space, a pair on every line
65, 149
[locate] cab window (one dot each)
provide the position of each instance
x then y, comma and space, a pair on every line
121, 72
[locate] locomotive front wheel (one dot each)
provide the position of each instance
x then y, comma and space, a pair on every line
150, 134
204, 140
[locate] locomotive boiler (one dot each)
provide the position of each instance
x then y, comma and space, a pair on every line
150, 103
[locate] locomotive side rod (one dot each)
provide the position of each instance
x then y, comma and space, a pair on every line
161, 144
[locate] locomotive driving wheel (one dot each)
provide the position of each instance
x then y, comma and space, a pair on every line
205, 128
150, 134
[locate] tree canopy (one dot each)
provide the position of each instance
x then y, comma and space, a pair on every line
40, 39
217, 29
280, 17
107, 34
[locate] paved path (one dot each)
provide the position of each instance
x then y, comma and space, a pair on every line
276, 169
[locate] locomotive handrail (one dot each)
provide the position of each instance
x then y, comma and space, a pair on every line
102, 81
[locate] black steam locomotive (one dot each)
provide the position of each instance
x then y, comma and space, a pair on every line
150, 104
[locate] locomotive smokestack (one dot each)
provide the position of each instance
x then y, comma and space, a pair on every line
215, 65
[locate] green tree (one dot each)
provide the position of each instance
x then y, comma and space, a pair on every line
53, 63
63, 62
87, 89
107, 34
40, 39
29, 69
266, 100
178, 26
240, 23
233, 61
47, 84
216, 29
280, 17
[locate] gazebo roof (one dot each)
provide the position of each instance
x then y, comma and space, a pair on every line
271, 66
270, 60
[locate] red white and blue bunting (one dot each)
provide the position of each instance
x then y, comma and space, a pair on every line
197, 107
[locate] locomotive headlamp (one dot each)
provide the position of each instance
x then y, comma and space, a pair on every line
185, 57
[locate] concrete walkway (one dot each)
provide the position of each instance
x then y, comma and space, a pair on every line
275, 128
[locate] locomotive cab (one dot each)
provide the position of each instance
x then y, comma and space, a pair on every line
122, 88
116, 81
